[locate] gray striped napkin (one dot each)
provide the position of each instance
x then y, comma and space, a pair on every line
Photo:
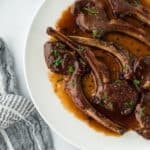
21, 127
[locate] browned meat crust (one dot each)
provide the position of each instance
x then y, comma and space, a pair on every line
91, 16
122, 8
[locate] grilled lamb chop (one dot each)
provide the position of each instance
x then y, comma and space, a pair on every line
142, 71
123, 8
74, 89
125, 57
58, 57
91, 16
102, 80
143, 115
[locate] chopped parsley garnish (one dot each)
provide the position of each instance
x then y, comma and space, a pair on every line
117, 81
97, 32
54, 51
90, 10
101, 103
130, 104
59, 80
125, 67
136, 2
142, 111
61, 45
136, 82
120, 47
110, 105
57, 61
71, 69
81, 48
104, 97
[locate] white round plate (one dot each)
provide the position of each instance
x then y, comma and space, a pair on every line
47, 103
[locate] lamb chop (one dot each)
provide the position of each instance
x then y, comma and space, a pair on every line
143, 115
125, 57
102, 80
91, 17
142, 71
73, 86
123, 8
74, 89
58, 58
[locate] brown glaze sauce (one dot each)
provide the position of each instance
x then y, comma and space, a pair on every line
66, 24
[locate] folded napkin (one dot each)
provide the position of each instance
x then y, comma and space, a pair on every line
21, 127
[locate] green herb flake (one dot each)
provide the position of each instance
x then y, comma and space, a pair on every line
57, 61
104, 97
136, 2
136, 82
101, 103
101, 30
71, 69
125, 67
54, 51
110, 105
81, 48
120, 47
61, 45
130, 104
117, 81
90, 10
142, 111
59, 80
95, 33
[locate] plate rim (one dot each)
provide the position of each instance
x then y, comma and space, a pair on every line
27, 84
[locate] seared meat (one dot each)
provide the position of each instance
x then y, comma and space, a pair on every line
91, 16
143, 115
142, 71
119, 97
58, 58
122, 8
101, 77
74, 89
125, 57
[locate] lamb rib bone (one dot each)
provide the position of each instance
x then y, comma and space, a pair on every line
125, 57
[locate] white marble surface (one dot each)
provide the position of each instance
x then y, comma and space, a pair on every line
15, 19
